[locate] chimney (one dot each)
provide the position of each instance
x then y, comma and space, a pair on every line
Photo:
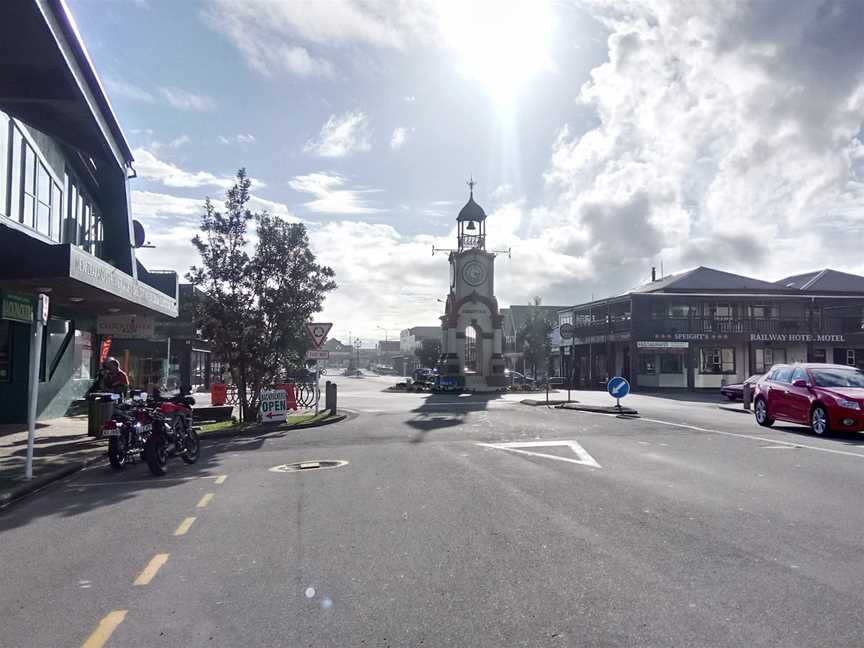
653, 273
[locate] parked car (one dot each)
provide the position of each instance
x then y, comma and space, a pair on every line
736, 391
424, 376
823, 396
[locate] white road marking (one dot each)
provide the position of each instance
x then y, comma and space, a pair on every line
752, 437
584, 459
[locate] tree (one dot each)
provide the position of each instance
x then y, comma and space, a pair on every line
428, 352
255, 307
534, 334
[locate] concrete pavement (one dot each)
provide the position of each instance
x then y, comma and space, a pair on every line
697, 529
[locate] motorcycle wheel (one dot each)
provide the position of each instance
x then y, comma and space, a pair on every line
118, 451
190, 455
156, 454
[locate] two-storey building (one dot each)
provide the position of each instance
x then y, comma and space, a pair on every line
704, 328
66, 227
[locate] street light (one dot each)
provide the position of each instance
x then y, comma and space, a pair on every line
386, 333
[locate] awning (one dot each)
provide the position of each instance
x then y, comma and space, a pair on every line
74, 279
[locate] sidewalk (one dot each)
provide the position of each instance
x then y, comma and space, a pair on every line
62, 445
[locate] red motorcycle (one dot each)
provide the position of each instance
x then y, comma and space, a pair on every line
172, 433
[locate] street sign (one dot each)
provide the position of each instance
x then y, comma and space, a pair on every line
18, 308
273, 406
42, 311
318, 332
618, 387
317, 355
566, 331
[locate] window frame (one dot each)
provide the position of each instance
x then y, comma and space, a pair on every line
706, 367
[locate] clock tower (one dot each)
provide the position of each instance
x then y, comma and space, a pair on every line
472, 333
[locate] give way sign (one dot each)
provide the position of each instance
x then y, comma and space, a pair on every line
318, 332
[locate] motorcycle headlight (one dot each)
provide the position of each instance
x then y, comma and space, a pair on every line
848, 404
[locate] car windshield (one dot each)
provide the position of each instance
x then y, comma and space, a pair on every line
838, 378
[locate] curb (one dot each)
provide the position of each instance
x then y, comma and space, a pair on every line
256, 431
599, 409
28, 488
533, 402
737, 410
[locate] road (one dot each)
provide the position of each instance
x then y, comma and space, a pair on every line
687, 527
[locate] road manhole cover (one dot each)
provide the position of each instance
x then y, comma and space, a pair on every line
304, 466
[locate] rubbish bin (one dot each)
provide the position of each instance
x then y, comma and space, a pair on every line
100, 408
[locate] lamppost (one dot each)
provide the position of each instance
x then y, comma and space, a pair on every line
357, 342
386, 333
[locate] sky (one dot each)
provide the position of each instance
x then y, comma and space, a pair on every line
605, 136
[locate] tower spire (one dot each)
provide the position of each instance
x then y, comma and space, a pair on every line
471, 184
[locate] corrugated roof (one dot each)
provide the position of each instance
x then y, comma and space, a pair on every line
703, 278
824, 280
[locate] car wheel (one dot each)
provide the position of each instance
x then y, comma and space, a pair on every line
819, 420
761, 409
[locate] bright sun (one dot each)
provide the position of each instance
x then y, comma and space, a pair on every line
501, 42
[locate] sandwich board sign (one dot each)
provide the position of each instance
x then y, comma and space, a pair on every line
318, 332
273, 406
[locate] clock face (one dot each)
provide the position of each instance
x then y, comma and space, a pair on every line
474, 273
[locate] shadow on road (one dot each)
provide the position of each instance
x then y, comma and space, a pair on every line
442, 411
847, 438
102, 486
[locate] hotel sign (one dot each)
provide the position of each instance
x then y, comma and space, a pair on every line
18, 308
796, 337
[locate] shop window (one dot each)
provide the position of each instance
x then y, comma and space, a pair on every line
850, 357
718, 360
83, 225
647, 363
34, 195
763, 311
658, 310
717, 311
82, 355
58, 335
5, 351
15, 173
671, 363
767, 358
4, 159
820, 355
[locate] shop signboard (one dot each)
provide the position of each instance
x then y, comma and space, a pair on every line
661, 344
796, 337
18, 308
273, 407
135, 327
317, 355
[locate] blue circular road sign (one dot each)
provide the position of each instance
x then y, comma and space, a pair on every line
618, 387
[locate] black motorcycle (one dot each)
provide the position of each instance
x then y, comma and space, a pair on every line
172, 433
128, 430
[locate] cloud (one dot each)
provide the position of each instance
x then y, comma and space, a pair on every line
268, 34
726, 136
409, 98
399, 137
149, 167
119, 88
330, 195
186, 100
340, 136
239, 138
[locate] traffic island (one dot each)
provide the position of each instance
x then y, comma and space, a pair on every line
600, 409
228, 429
536, 402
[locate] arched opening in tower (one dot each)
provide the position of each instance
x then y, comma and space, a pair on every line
470, 349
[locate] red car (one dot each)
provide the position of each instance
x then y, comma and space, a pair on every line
823, 396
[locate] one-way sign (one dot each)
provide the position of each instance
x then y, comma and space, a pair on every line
318, 332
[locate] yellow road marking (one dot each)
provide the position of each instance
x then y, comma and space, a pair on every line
184, 526
105, 629
205, 500
220, 479
150, 570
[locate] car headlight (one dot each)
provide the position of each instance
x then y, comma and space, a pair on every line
848, 404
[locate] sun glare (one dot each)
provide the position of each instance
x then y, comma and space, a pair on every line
501, 43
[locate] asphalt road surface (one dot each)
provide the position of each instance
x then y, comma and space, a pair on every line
690, 526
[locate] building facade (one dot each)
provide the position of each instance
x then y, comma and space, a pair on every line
515, 319
66, 227
410, 339
705, 328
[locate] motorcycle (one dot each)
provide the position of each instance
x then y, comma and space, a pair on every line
172, 433
127, 431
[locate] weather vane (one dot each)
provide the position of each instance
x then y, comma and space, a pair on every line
471, 183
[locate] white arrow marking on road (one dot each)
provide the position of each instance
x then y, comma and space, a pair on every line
584, 459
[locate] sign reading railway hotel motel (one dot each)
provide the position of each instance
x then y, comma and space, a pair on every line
796, 337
